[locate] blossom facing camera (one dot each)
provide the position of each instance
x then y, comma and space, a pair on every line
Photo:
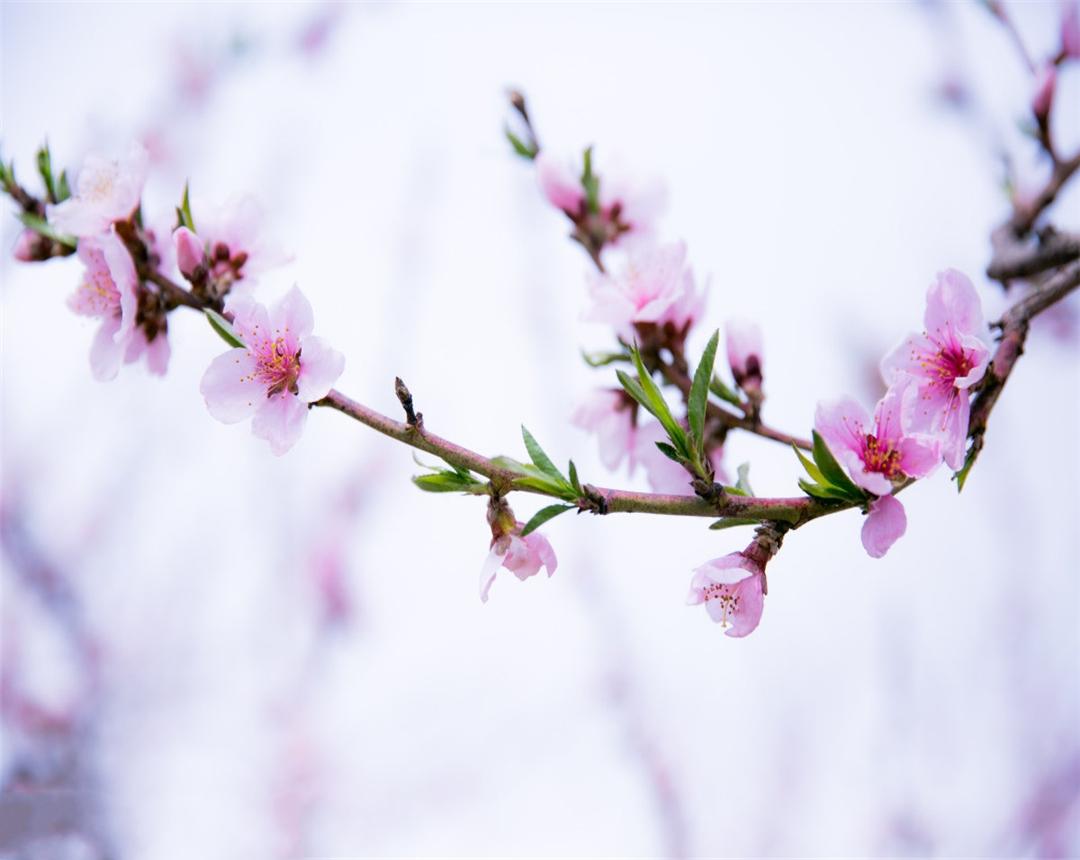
106, 192
109, 292
655, 287
733, 590
942, 363
279, 371
522, 556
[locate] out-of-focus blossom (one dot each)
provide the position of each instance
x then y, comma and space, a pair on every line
733, 590
1070, 28
1043, 100
109, 292
231, 243
884, 525
630, 207
280, 370
943, 362
664, 474
655, 287
25, 250
522, 556
106, 192
744, 352
610, 414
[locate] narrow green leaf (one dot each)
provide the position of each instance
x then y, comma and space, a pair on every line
828, 491
699, 392
520, 147
602, 359
735, 491
961, 476
542, 516
448, 482
744, 479
574, 480
63, 188
44, 166
655, 403
183, 211
539, 458
811, 467
669, 452
732, 522
224, 328
590, 182
41, 226
832, 470
718, 387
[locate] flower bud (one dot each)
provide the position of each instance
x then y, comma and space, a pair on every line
744, 353
26, 247
189, 251
1043, 99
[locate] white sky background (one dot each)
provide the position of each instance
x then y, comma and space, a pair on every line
921, 703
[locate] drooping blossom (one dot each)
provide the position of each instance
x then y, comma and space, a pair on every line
522, 556
943, 362
231, 245
655, 287
280, 370
109, 292
744, 352
664, 474
106, 191
610, 414
626, 207
878, 454
732, 588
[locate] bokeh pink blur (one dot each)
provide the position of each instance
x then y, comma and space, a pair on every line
209, 651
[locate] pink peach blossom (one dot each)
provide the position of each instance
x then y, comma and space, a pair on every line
190, 253
943, 362
106, 191
744, 351
280, 370
1043, 99
654, 287
732, 589
522, 556
609, 413
25, 250
109, 292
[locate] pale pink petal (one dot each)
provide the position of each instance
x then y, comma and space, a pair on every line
320, 367
952, 301
280, 421
743, 346
910, 357
977, 351
883, 526
189, 251
124, 276
888, 414
251, 320
747, 615
919, 455
542, 549
663, 474
924, 411
105, 353
561, 186
955, 430
293, 314
157, 354
843, 424
488, 570
230, 387
725, 570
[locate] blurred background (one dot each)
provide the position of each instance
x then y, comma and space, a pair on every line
211, 652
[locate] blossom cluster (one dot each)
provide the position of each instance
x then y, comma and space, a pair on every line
277, 367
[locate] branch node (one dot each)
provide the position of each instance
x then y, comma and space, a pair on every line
593, 501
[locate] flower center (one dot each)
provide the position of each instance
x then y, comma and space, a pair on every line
950, 363
882, 457
278, 366
729, 601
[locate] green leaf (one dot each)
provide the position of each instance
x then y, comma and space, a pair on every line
63, 189
44, 166
811, 467
744, 479
223, 327
961, 476
720, 389
539, 458
520, 147
602, 359
590, 182
699, 392
574, 480
824, 491
669, 452
183, 211
732, 522
448, 482
41, 226
832, 470
648, 394
542, 516
735, 491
